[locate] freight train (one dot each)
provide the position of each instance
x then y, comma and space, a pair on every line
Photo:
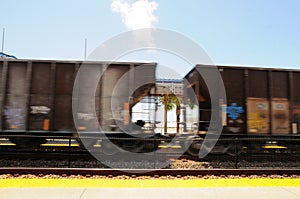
260, 103
36, 98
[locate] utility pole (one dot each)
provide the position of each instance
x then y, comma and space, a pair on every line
3, 33
85, 48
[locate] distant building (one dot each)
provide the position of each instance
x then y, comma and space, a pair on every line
169, 86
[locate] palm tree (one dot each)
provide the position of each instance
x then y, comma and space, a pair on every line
169, 101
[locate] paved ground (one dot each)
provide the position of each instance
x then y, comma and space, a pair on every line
159, 189
157, 193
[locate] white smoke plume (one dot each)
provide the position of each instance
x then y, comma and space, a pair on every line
137, 14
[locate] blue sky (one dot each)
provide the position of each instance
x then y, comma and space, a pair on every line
232, 32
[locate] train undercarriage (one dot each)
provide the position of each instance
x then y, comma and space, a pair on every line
116, 142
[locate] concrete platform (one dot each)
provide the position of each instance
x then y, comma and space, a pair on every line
157, 193
164, 189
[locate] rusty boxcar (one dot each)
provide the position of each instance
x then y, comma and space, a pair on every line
260, 101
36, 95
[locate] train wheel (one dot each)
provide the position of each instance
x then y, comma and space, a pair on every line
133, 147
234, 150
193, 152
194, 146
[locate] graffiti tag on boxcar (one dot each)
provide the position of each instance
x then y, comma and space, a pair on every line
257, 122
14, 117
233, 111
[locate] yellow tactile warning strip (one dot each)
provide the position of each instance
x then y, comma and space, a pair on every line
105, 183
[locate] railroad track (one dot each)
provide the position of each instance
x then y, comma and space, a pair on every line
23, 154
148, 172
77, 155
67, 159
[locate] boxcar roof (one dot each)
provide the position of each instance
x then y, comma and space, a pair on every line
242, 68
76, 61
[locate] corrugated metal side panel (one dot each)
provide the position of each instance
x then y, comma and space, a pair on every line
16, 78
63, 118
190, 84
143, 79
2, 92
202, 93
144, 73
280, 84
197, 93
40, 104
1, 68
64, 81
40, 80
235, 92
109, 79
234, 83
296, 100
296, 86
15, 110
258, 83
89, 94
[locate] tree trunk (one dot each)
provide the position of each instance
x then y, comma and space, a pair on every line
166, 113
177, 118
